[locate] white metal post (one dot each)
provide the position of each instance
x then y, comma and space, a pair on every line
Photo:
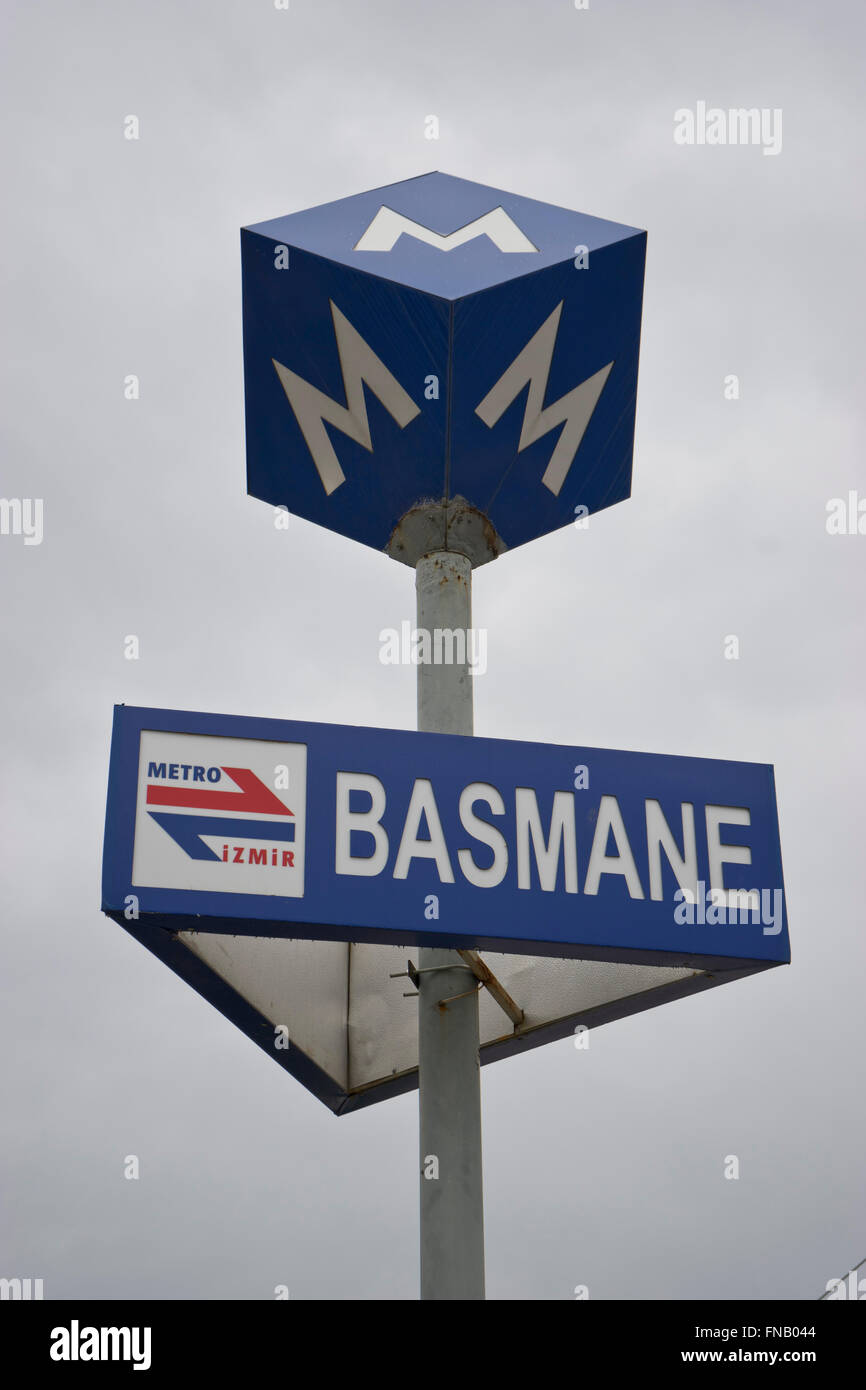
452, 1210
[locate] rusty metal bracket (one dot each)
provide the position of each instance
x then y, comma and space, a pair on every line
486, 977
413, 973
450, 998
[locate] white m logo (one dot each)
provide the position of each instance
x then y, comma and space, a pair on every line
574, 409
387, 226
359, 365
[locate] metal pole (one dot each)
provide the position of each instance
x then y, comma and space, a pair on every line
452, 1211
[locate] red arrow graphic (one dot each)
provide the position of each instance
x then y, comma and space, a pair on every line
254, 796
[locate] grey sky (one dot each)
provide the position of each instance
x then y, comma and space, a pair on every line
603, 1168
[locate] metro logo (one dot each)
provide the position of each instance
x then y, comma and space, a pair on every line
209, 817
388, 226
386, 372
574, 410
253, 797
360, 367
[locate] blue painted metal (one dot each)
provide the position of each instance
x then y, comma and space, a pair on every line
462, 316
610, 925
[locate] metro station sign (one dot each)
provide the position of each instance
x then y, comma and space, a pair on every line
228, 838
437, 343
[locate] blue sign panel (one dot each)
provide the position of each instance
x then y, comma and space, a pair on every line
439, 340
327, 832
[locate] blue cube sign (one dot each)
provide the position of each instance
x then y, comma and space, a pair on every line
439, 340
276, 828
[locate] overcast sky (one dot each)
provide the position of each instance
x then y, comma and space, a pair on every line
604, 1167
